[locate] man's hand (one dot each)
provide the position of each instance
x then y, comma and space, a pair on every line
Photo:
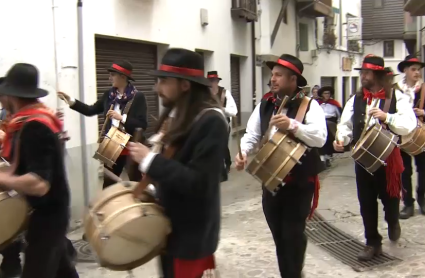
338, 146
378, 114
64, 96
419, 112
240, 162
114, 115
280, 121
138, 151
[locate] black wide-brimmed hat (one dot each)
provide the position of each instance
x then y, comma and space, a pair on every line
184, 64
292, 63
408, 61
326, 89
122, 67
372, 62
390, 72
213, 75
22, 81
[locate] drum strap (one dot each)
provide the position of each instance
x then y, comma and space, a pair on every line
125, 111
302, 110
421, 100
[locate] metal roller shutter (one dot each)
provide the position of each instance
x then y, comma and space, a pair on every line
326, 81
236, 85
143, 57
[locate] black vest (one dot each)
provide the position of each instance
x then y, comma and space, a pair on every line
311, 164
359, 116
221, 90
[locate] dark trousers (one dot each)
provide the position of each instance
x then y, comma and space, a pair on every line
286, 214
407, 178
227, 158
132, 170
47, 254
11, 262
369, 189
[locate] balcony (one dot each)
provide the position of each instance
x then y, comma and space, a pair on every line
314, 8
246, 9
410, 27
415, 7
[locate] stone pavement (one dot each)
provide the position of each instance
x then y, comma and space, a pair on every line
247, 250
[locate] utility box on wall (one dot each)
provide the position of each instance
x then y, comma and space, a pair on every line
204, 17
347, 64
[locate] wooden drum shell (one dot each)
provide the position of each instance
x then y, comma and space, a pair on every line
111, 146
414, 143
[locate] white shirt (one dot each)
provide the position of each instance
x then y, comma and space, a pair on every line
402, 122
117, 108
231, 109
313, 133
330, 110
409, 91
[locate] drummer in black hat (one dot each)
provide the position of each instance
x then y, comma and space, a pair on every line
412, 86
332, 109
189, 182
230, 110
124, 96
287, 209
385, 183
39, 174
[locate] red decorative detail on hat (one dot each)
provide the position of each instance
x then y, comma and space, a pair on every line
369, 55
413, 60
372, 66
212, 76
179, 70
390, 73
121, 69
289, 66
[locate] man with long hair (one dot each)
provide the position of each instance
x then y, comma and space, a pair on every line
385, 183
411, 86
188, 171
129, 111
287, 209
230, 110
34, 146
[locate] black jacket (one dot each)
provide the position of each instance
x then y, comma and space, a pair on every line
189, 188
137, 116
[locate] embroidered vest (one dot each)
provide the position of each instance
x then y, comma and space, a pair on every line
311, 165
359, 116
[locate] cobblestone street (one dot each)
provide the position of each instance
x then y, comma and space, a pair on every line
247, 250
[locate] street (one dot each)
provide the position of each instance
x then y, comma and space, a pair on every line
247, 250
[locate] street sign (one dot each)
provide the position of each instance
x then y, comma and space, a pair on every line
354, 28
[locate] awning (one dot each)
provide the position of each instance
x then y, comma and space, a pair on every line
415, 7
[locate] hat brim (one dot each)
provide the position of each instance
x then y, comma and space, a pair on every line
369, 69
117, 71
200, 80
8, 90
326, 89
301, 81
215, 78
404, 64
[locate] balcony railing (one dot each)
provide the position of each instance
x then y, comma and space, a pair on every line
246, 9
314, 8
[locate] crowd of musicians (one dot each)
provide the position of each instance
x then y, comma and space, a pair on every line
194, 157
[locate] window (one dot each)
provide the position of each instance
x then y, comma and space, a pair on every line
377, 3
303, 28
388, 48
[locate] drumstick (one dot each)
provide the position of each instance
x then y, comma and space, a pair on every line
104, 126
111, 175
132, 168
375, 103
153, 117
267, 134
64, 99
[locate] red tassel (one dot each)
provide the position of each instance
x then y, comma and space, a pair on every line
315, 196
394, 169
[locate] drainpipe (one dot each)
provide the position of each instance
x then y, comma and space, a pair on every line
254, 76
81, 97
340, 23
297, 36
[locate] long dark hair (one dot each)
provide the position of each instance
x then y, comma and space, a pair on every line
381, 81
187, 108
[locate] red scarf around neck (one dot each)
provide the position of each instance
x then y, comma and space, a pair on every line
368, 95
37, 112
330, 101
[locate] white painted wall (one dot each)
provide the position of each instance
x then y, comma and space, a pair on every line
168, 23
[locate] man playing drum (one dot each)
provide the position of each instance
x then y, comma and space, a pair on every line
411, 86
189, 182
333, 110
119, 95
38, 172
287, 209
385, 183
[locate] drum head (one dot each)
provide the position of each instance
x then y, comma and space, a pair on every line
14, 211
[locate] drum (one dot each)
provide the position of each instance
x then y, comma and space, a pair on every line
276, 159
14, 214
124, 232
373, 149
111, 147
414, 143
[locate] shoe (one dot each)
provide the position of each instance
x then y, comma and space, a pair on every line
407, 212
369, 252
394, 232
328, 163
421, 203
